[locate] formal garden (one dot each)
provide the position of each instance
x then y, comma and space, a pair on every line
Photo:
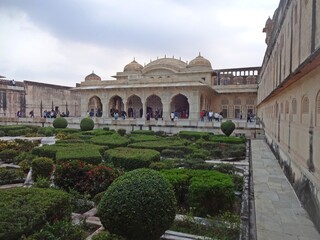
138, 184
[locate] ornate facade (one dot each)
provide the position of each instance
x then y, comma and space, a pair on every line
170, 85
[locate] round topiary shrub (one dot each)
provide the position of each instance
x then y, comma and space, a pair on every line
86, 124
227, 127
60, 122
121, 132
139, 205
41, 167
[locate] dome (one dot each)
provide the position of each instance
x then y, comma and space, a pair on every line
171, 64
200, 62
92, 77
133, 67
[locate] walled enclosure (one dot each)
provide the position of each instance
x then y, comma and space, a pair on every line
289, 96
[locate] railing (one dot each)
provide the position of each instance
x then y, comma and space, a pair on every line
237, 76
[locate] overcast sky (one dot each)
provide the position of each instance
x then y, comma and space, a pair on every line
62, 41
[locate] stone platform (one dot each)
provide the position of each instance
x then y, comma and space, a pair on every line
279, 215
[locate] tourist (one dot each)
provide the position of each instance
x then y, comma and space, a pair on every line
123, 115
31, 113
210, 115
116, 115
202, 114
172, 116
216, 116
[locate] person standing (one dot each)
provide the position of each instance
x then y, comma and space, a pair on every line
172, 116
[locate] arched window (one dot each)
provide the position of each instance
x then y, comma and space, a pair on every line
250, 101
318, 110
237, 101
294, 106
224, 101
305, 105
287, 107
318, 104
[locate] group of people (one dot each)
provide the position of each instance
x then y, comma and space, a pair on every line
211, 116
92, 113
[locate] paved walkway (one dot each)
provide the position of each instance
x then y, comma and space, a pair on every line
279, 215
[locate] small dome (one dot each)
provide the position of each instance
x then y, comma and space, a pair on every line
133, 67
199, 62
269, 20
92, 77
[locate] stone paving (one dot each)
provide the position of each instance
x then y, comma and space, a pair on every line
279, 215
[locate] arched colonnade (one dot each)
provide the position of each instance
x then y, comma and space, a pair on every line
135, 107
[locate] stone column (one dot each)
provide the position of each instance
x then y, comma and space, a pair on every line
105, 106
84, 105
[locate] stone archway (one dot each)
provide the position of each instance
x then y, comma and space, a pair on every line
134, 107
95, 107
115, 105
154, 106
180, 106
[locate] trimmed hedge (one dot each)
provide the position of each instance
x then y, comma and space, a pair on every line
143, 138
138, 205
145, 132
48, 151
131, 158
112, 141
68, 130
88, 153
7, 128
60, 122
65, 151
8, 155
206, 192
225, 139
172, 153
46, 131
26, 210
159, 145
193, 136
11, 175
19, 132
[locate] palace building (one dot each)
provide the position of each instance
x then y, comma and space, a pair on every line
170, 85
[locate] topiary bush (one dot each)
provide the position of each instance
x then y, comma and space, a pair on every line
86, 124
227, 127
139, 205
41, 167
121, 131
60, 122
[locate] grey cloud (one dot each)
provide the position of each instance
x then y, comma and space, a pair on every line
141, 28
